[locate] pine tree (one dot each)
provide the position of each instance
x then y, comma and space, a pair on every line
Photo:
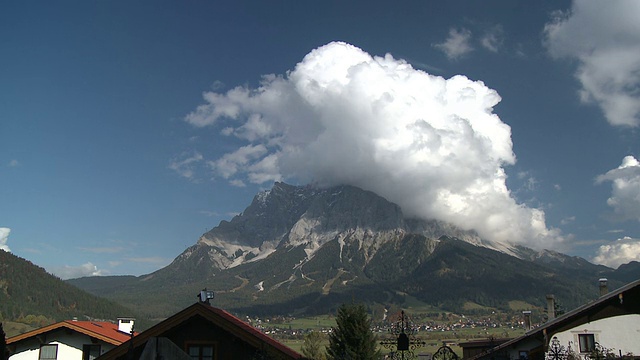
352, 337
312, 346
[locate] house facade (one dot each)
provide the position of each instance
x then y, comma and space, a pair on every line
610, 323
70, 340
619, 335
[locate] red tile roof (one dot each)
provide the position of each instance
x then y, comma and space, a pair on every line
101, 330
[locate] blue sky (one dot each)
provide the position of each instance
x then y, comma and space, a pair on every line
130, 128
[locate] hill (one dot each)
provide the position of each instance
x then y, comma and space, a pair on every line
30, 295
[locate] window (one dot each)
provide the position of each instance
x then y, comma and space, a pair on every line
587, 342
523, 355
201, 352
48, 352
90, 352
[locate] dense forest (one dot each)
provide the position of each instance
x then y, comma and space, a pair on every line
30, 295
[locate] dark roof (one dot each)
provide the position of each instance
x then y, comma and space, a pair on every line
622, 301
101, 330
219, 317
483, 342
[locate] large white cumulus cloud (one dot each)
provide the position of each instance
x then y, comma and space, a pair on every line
431, 145
4, 236
604, 36
621, 252
625, 193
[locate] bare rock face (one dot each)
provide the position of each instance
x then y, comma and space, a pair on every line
290, 216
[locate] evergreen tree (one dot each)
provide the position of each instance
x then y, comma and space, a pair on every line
311, 348
352, 337
4, 351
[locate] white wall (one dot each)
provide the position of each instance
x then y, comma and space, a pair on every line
617, 333
69, 346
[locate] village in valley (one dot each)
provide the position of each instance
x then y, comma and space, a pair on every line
208, 332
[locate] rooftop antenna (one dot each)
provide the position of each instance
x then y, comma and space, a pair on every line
205, 296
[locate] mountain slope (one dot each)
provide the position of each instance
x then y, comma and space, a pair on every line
306, 250
26, 289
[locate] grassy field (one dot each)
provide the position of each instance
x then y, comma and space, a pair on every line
433, 339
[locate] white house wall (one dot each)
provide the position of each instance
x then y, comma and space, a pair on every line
69, 346
620, 333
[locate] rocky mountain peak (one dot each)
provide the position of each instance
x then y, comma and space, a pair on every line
306, 249
289, 216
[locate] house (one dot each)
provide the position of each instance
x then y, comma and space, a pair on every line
69, 340
611, 324
475, 347
202, 331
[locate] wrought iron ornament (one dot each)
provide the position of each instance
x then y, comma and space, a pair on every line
405, 342
445, 353
556, 351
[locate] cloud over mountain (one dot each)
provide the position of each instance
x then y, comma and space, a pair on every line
625, 192
431, 145
620, 252
604, 37
4, 236
73, 272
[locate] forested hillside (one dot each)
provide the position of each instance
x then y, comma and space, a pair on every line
30, 295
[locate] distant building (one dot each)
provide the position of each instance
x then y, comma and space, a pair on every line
611, 322
475, 347
202, 331
70, 340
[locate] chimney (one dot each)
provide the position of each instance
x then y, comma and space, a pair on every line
125, 325
527, 320
551, 307
603, 286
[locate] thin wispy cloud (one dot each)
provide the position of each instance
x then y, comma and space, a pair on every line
431, 145
604, 38
493, 38
237, 183
185, 164
529, 182
209, 213
457, 44
217, 85
150, 260
102, 250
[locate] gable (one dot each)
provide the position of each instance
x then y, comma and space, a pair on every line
206, 325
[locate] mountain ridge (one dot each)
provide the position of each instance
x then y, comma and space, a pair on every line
302, 249
27, 292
